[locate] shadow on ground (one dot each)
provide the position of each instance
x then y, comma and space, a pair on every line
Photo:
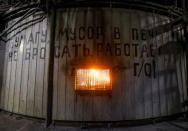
12, 122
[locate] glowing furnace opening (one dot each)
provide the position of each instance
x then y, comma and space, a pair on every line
93, 79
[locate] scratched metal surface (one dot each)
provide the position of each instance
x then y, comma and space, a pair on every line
148, 78
25, 68
148, 70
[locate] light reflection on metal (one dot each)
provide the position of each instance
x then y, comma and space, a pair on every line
93, 79
21, 45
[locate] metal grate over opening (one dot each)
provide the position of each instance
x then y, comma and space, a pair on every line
93, 79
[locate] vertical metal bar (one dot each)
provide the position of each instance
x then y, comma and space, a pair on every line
52, 21
185, 18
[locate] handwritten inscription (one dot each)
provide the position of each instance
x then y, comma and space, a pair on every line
73, 42
30, 52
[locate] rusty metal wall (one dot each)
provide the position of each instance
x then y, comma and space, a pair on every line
25, 71
148, 69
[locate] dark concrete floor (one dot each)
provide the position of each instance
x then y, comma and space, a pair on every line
12, 122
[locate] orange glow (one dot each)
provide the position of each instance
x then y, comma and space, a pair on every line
93, 79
